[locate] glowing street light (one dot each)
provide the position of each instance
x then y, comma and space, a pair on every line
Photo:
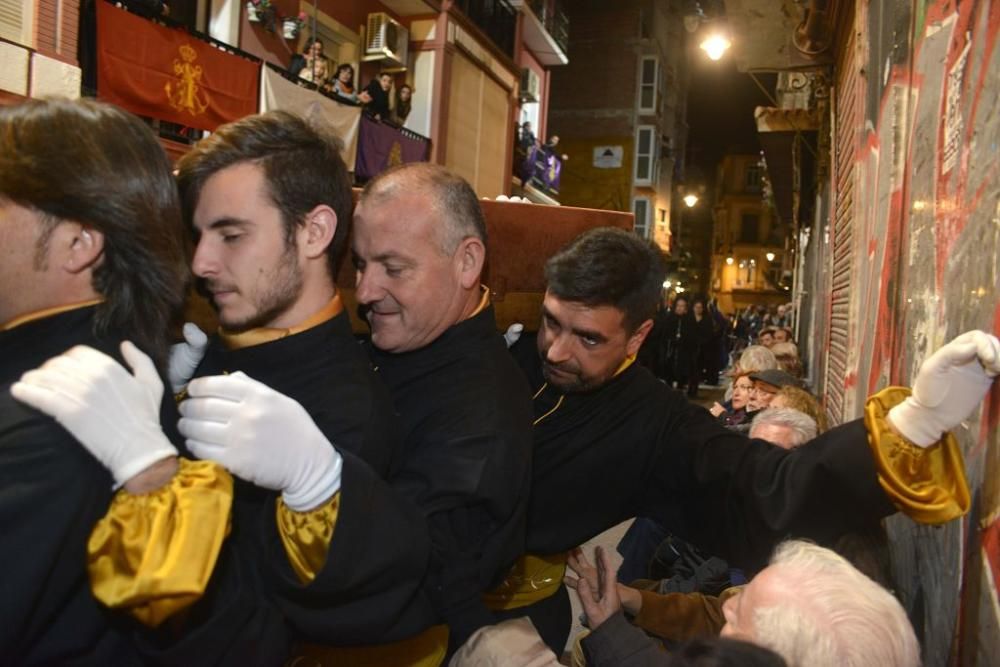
729, 261
715, 46
770, 256
690, 200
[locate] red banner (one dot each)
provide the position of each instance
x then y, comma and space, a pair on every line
165, 73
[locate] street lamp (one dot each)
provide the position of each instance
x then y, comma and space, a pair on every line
715, 45
729, 260
770, 256
690, 200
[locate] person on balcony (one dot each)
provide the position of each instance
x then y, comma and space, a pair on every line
404, 103
378, 92
311, 65
343, 85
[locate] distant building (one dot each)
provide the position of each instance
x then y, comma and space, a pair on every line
621, 118
745, 235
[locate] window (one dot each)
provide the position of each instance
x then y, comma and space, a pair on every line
750, 228
649, 76
16, 21
752, 178
746, 273
641, 209
645, 157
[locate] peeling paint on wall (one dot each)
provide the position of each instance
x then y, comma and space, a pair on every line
926, 263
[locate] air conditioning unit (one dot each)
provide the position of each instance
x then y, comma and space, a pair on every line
386, 39
530, 85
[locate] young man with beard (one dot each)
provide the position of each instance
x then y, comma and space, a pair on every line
91, 253
419, 244
611, 442
419, 247
269, 236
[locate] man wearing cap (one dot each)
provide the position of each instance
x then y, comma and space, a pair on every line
766, 384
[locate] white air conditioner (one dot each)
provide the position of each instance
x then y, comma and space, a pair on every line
530, 85
386, 39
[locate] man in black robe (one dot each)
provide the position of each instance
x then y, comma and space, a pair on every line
419, 246
288, 330
91, 241
267, 252
611, 442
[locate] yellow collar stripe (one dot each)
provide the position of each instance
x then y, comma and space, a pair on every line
261, 335
46, 312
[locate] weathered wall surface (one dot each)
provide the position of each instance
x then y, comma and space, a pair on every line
926, 268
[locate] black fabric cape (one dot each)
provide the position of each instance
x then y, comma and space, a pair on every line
378, 554
633, 447
52, 492
466, 417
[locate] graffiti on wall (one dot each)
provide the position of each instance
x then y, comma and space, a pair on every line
926, 258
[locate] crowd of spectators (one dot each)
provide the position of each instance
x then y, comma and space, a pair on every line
377, 98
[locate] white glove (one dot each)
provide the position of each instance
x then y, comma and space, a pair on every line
513, 333
185, 357
261, 436
949, 386
114, 414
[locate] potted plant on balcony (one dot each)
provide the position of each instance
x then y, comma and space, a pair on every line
258, 11
292, 26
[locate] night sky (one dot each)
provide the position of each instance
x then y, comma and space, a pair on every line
721, 102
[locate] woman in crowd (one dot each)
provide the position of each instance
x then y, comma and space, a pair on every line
787, 355
733, 412
803, 401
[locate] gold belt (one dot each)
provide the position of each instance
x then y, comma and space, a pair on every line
531, 579
424, 650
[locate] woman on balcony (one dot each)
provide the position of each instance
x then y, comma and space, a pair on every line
312, 65
343, 85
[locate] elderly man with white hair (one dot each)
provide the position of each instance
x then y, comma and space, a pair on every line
814, 608
810, 606
785, 427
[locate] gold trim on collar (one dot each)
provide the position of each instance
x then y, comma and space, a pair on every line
484, 301
46, 312
261, 335
629, 360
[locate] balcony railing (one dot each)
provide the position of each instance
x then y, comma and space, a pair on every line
369, 147
553, 18
496, 18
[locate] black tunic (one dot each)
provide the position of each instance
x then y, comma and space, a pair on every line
52, 492
466, 416
378, 554
633, 447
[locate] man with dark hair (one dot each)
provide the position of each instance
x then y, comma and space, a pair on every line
92, 254
267, 245
378, 96
641, 449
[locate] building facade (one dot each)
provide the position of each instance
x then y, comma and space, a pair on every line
747, 241
463, 59
621, 119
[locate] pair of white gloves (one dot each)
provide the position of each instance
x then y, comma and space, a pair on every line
256, 433
268, 439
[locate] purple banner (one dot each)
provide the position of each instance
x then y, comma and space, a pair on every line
542, 169
381, 146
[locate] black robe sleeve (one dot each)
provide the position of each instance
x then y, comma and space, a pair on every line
369, 590
740, 497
